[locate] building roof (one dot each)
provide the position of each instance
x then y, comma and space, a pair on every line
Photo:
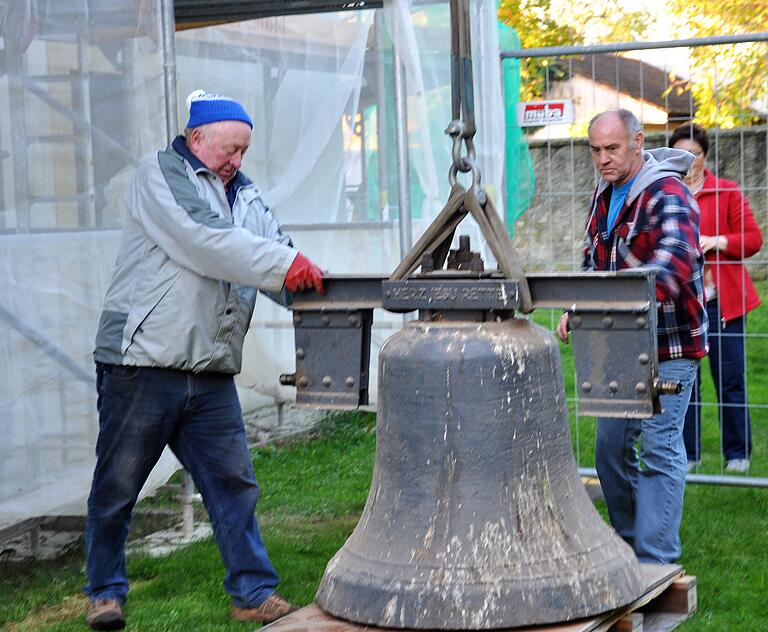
637, 79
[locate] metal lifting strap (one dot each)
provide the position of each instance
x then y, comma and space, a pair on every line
461, 68
435, 237
500, 244
462, 126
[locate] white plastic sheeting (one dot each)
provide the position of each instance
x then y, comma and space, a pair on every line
308, 80
81, 98
80, 83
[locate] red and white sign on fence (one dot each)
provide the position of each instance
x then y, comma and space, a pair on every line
535, 113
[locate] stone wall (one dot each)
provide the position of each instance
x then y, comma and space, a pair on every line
549, 235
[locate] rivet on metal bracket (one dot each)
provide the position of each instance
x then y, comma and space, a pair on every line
300, 353
350, 381
607, 322
586, 386
641, 388
327, 381
303, 381
613, 386
641, 322
297, 319
325, 319
643, 358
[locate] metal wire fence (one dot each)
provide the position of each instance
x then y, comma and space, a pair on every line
720, 82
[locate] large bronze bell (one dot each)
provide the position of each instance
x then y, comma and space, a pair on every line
476, 517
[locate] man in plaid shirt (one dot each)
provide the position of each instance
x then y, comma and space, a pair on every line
643, 215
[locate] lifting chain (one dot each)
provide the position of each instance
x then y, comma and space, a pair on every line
436, 240
462, 126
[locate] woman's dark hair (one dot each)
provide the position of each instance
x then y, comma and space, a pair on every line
691, 132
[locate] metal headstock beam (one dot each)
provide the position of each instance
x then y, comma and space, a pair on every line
613, 318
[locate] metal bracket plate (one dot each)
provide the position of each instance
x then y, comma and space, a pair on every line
615, 356
332, 357
613, 330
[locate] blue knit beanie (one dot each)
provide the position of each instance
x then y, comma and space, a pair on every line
206, 107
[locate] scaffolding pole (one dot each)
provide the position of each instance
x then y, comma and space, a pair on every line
401, 146
557, 51
168, 32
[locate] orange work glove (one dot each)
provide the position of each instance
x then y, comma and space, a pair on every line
303, 274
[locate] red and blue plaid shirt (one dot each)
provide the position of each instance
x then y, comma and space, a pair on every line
659, 228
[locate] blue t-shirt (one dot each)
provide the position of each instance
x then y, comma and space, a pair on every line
618, 197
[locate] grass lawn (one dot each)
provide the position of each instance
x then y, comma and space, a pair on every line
314, 489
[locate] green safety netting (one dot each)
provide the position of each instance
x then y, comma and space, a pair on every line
519, 175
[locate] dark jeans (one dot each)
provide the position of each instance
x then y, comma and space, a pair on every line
141, 410
726, 361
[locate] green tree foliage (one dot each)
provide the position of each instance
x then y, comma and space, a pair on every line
552, 23
727, 81
536, 26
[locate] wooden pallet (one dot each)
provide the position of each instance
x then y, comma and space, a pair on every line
669, 599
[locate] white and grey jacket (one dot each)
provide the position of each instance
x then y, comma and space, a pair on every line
189, 268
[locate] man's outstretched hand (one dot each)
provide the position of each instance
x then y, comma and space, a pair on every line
303, 274
563, 328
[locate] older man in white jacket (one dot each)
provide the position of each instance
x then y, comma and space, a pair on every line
198, 246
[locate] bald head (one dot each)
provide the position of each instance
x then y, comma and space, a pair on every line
627, 119
616, 145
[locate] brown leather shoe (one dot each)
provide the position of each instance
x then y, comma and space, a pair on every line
274, 608
105, 614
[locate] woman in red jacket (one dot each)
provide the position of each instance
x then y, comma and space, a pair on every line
728, 235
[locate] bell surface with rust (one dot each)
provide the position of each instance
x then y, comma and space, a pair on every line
476, 517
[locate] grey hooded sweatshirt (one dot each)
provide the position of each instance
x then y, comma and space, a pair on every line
659, 163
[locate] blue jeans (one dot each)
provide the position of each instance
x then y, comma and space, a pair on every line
141, 410
727, 365
645, 504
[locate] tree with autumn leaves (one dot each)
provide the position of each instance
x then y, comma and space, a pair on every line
543, 23
727, 81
